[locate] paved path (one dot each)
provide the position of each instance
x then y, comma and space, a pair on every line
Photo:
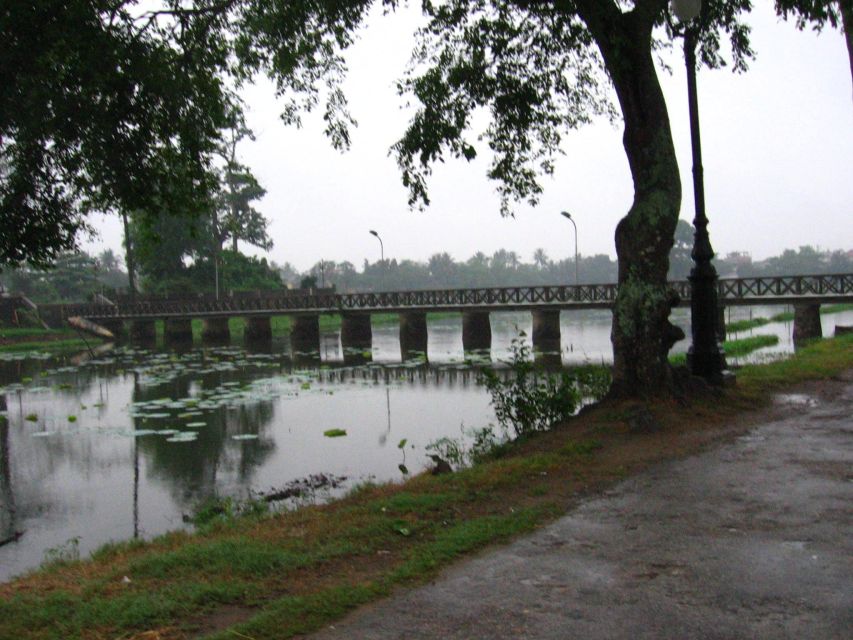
750, 540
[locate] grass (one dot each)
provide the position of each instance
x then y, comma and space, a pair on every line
785, 316
53, 345
746, 346
740, 347
291, 573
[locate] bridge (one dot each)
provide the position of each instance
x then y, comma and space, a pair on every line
805, 292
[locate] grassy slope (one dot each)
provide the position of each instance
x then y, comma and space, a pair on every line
291, 573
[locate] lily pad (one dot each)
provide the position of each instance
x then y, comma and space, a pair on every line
335, 433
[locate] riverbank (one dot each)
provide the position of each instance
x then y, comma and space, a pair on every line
286, 574
32, 339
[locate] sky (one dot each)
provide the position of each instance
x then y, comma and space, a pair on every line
777, 147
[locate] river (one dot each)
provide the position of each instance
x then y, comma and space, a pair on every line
126, 444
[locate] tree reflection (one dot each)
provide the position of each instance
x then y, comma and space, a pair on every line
201, 468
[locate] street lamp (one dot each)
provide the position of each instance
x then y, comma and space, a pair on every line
381, 246
568, 217
705, 357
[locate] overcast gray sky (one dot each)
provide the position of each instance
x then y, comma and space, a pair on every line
777, 144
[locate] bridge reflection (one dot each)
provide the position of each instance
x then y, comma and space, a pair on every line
545, 303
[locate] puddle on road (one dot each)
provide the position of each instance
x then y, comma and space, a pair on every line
797, 399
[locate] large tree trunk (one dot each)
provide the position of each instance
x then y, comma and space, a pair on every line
845, 7
641, 334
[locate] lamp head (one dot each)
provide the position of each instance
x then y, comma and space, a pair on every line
566, 214
373, 233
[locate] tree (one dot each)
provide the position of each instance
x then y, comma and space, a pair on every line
233, 217
541, 260
680, 262
100, 101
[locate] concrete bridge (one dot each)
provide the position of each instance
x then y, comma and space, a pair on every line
805, 293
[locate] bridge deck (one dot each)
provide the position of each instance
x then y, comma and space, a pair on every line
732, 292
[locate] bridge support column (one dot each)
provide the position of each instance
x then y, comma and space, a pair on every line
721, 323
413, 334
356, 331
216, 330
476, 331
806, 322
356, 337
143, 331
546, 330
115, 327
178, 330
305, 333
258, 329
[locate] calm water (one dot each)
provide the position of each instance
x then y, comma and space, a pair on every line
125, 444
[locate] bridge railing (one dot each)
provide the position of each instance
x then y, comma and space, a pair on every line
779, 289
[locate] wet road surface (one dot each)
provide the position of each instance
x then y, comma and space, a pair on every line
752, 539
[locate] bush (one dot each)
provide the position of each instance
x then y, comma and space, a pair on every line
530, 399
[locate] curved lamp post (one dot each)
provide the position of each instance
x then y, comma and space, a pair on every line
705, 357
568, 216
381, 246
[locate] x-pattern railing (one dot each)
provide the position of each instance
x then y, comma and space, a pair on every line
731, 291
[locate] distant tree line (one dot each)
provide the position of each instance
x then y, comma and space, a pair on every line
77, 276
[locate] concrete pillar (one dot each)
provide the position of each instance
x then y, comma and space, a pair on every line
216, 330
413, 334
356, 338
178, 330
115, 327
356, 332
546, 330
258, 329
305, 333
143, 331
476, 331
806, 322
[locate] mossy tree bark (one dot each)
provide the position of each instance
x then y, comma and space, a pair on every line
641, 334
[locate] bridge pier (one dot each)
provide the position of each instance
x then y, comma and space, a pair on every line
356, 332
257, 329
216, 330
413, 334
476, 331
806, 322
356, 338
178, 330
305, 332
143, 331
721, 323
546, 330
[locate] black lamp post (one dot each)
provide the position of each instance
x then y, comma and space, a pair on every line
705, 357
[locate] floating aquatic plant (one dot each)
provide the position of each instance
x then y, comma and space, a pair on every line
335, 433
